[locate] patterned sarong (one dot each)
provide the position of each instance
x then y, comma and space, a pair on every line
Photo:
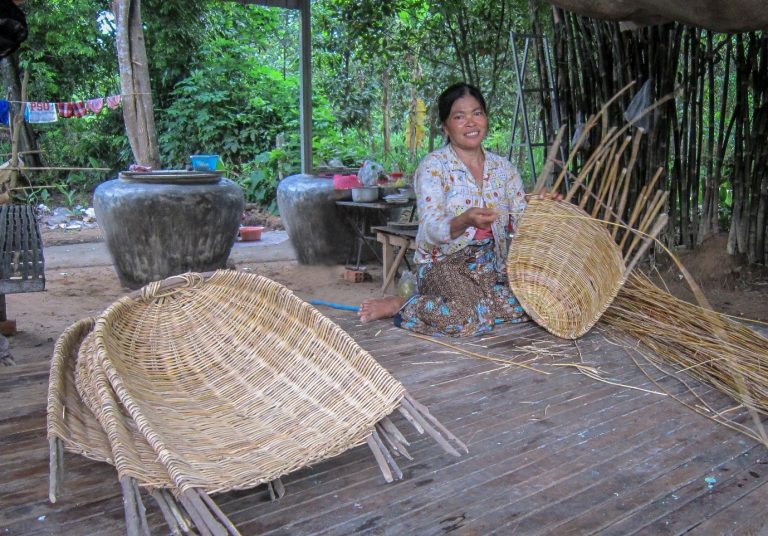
461, 295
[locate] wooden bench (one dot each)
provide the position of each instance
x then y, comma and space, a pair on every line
391, 238
22, 267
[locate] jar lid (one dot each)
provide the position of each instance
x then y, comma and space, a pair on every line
171, 176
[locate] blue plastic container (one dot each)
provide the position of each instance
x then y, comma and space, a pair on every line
204, 162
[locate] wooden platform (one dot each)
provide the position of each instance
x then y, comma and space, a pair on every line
555, 453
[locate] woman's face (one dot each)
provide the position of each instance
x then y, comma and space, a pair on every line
467, 123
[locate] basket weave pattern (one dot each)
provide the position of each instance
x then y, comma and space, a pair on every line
234, 381
69, 417
563, 267
199, 385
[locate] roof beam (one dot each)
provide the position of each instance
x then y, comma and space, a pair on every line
287, 4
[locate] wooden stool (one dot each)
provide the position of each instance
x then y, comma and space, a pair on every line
391, 262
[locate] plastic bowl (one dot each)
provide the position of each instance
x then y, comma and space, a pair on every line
250, 233
204, 162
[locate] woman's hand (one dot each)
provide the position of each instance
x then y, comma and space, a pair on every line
480, 217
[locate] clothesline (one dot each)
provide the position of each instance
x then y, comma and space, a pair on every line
50, 112
116, 95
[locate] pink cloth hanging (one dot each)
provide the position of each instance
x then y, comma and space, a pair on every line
94, 105
113, 101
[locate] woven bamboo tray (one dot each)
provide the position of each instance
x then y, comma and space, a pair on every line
73, 407
563, 267
197, 385
76, 415
234, 381
69, 418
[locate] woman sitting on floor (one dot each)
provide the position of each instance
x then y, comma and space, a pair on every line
469, 200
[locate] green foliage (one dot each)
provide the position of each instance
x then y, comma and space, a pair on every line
259, 177
225, 80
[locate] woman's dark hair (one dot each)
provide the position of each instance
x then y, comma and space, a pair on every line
452, 94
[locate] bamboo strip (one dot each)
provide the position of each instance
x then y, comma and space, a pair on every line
393, 430
396, 472
411, 419
604, 182
213, 507
587, 127
661, 222
380, 459
277, 484
425, 411
140, 507
430, 429
55, 468
549, 162
182, 518
630, 167
197, 518
397, 447
641, 203
132, 523
658, 203
168, 515
216, 528
593, 165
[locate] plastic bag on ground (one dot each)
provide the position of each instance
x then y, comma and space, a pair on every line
406, 286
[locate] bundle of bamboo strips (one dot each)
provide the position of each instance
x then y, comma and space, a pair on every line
698, 341
689, 338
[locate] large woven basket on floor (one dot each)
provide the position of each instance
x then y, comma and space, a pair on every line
563, 267
197, 385
234, 381
76, 412
69, 417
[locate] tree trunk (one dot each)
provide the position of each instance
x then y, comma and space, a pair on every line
134, 83
385, 110
12, 86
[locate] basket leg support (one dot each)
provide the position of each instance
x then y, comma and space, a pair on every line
276, 489
201, 516
185, 523
213, 507
392, 441
55, 468
140, 507
387, 464
420, 414
133, 523
170, 519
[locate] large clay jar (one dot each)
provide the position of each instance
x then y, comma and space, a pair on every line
314, 223
162, 223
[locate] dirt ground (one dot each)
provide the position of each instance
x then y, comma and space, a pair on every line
76, 293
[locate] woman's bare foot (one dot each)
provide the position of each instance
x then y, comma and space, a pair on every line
376, 308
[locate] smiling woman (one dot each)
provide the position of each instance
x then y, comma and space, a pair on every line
468, 202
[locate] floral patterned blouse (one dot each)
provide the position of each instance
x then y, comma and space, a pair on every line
445, 188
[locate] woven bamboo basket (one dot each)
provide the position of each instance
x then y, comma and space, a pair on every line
234, 381
563, 267
76, 415
69, 417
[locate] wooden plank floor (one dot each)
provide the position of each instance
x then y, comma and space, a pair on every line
551, 451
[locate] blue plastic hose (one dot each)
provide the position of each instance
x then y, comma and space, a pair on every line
335, 305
